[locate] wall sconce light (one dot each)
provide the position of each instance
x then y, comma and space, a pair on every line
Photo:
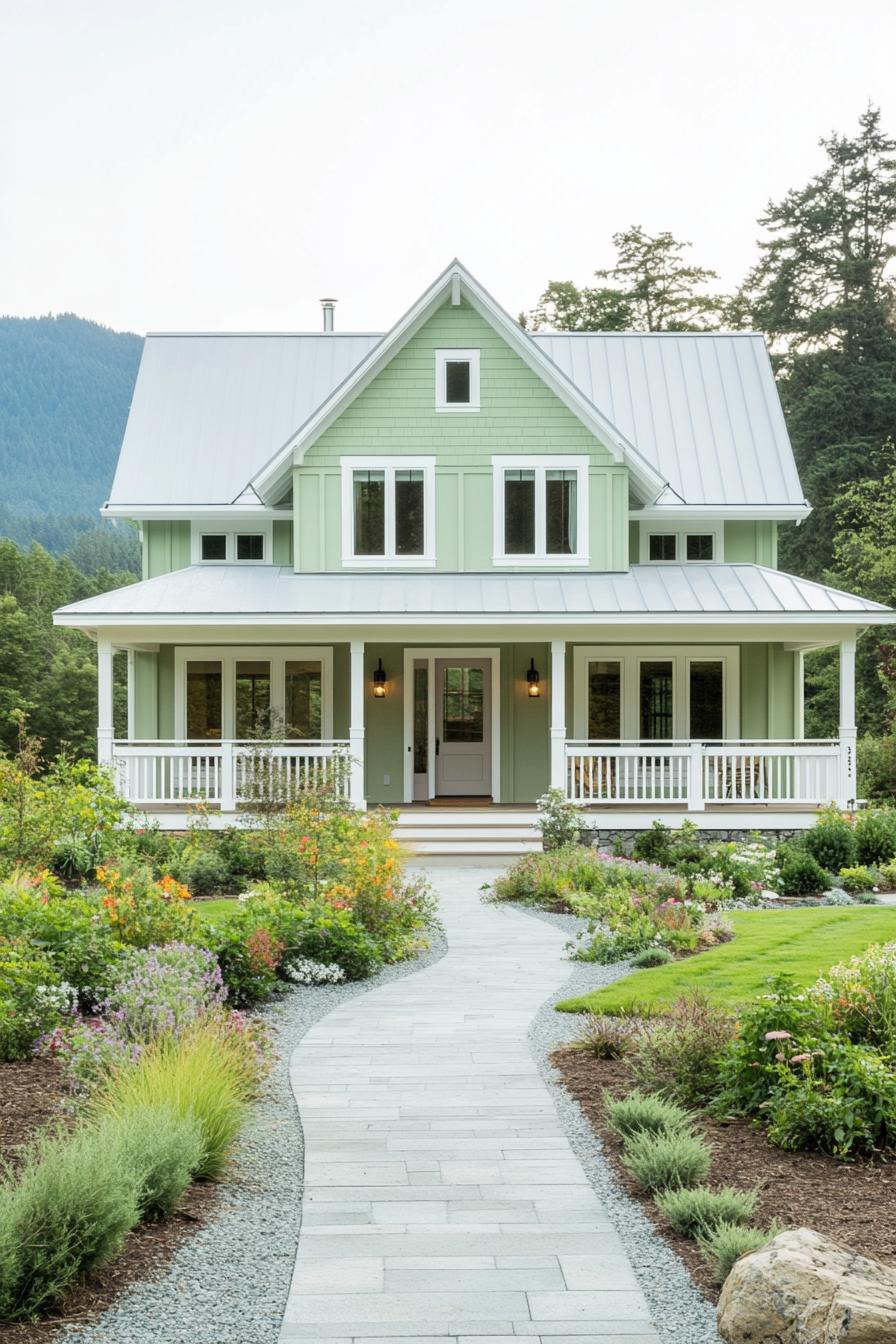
379, 680
533, 678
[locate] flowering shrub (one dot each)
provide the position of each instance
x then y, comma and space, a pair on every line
143, 911
304, 971
32, 997
161, 989
559, 820
860, 997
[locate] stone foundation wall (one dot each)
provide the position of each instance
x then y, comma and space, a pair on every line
605, 837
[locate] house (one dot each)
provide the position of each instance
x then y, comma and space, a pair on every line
475, 561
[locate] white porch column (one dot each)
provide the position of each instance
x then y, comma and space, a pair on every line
847, 781
356, 725
105, 729
132, 695
558, 714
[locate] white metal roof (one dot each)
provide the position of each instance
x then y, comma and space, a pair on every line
696, 416
274, 593
209, 410
702, 408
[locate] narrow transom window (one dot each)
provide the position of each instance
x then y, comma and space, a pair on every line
700, 546
662, 546
457, 380
540, 509
388, 510
214, 546
249, 546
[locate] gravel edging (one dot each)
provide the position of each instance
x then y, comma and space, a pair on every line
681, 1313
228, 1284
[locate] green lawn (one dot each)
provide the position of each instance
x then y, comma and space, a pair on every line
802, 942
215, 911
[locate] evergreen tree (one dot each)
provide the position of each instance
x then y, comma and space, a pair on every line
823, 292
651, 288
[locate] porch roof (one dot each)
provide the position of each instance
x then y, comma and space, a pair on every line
272, 595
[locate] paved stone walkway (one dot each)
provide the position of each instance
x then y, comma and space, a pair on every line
442, 1198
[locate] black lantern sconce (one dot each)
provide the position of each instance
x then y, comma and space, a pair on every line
533, 678
379, 680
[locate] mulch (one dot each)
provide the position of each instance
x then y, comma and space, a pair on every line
33, 1096
852, 1202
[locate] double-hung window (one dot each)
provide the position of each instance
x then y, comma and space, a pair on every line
388, 511
540, 510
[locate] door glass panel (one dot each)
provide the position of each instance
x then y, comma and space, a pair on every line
302, 692
421, 719
655, 701
457, 382
519, 512
462, 704
409, 513
706, 691
253, 698
369, 497
203, 701
561, 512
604, 701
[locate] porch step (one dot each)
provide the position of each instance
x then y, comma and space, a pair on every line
468, 831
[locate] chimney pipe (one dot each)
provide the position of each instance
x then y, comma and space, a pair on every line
328, 305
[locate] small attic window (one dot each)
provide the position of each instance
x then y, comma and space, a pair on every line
214, 546
457, 380
663, 546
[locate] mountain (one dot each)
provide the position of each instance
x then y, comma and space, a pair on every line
65, 389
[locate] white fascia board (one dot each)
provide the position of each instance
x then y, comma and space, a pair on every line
179, 512
855, 620
730, 512
274, 474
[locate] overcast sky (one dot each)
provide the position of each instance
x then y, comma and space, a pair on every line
221, 164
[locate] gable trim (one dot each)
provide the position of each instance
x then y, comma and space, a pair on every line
455, 279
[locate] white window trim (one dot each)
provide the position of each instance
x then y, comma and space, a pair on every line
230, 530
681, 534
539, 465
630, 656
444, 357
228, 656
389, 465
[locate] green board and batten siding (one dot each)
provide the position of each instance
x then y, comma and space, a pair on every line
395, 415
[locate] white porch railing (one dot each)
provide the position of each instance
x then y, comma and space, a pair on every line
227, 773
696, 773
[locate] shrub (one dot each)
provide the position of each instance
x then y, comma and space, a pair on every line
831, 842
678, 1055
71, 931
69, 1208
655, 845
162, 989
639, 1113
208, 1074
559, 821
660, 1161
860, 996
856, 879
697, 1212
605, 1037
204, 871
332, 935
842, 1100
800, 874
144, 912
876, 762
728, 1242
876, 836
652, 956
836, 896
163, 1149
32, 997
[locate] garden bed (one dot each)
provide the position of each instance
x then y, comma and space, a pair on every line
854, 1203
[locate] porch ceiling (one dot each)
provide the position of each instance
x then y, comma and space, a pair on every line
743, 601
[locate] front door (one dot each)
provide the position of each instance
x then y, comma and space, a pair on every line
463, 727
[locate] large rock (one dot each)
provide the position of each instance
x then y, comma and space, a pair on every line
804, 1289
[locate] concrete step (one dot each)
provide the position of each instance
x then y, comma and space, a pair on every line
473, 830
512, 849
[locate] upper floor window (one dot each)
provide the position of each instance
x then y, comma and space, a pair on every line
681, 545
211, 544
388, 510
540, 510
457, 380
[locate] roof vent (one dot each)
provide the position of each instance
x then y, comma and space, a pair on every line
328, 305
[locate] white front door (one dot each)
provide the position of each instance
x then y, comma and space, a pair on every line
463, 727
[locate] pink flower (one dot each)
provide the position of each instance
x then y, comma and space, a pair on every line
799, 1059
777, 1036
